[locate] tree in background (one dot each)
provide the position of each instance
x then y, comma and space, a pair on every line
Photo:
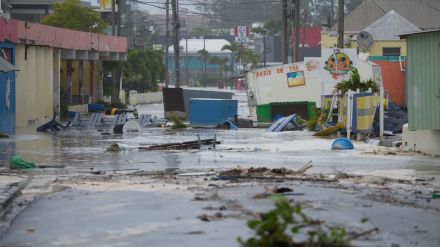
245, 12
72, 15
221, 63
242, 56
142, 70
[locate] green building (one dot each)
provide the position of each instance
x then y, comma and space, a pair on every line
423, 91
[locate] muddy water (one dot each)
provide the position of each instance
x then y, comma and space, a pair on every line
83, 149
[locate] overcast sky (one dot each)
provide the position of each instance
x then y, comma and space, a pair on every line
150, 9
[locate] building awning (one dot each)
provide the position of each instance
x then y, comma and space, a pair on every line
5, 66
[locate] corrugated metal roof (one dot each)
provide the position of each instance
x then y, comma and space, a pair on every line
195, 45
389, 26
425, 14
404, 35
5, 66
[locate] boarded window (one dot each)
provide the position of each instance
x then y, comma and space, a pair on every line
391, 51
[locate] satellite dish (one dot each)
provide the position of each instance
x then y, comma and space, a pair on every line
364, 40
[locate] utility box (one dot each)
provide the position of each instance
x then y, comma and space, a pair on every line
133, 97
212, 112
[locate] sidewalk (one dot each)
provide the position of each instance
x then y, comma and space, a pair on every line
10, 188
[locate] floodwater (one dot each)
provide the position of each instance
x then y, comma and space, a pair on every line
82, 149
138, 211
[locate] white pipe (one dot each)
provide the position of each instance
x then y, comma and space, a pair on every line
381, 112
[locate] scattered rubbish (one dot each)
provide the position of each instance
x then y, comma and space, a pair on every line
342, 144
195, 232
114, 148
330, 130
207, 218
196, 174
16, 162
227, 125
146, 121
117, 129
182, 145
97, 172
53, 125
51, 166
131, 127
286, 124
436, 194
30, 230
178, 124
263, 172
281, 190
3, 136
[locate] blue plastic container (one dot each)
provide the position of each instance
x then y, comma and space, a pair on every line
212, 112
95, 108
342, 144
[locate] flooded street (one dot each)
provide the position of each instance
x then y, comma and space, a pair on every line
91, 197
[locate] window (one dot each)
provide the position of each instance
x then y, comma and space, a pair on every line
391, 51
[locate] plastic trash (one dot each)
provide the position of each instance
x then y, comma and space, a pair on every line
16, 162
342, 144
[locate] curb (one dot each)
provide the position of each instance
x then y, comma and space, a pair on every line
11, 194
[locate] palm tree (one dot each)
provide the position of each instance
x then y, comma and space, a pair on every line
204, 54
221, 62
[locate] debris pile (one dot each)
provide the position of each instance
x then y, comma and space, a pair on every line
182, 145
263, 172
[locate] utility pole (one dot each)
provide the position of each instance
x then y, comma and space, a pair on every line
284, 46
332, 14
167, 36
340, 23
264, 47
113, 17
176, 26
295, 47
204, 61
186, 59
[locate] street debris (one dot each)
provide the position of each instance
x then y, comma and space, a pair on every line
342, 144
16, 162
214, 217
114, 148
53, 125
292, 122
263, 172
182, 145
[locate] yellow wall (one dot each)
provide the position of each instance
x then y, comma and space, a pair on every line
86, 78
376, 50
34, 85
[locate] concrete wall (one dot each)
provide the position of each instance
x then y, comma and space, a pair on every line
149, 98
426, 141
34, 85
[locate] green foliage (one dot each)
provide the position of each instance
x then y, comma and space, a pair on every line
142, 70
288, 226
271, 27
178, 124
201, 31
71, 15
355, 83
242, 55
